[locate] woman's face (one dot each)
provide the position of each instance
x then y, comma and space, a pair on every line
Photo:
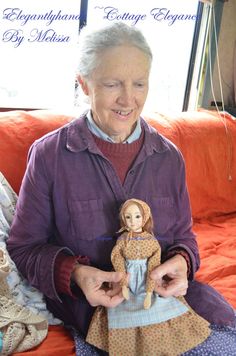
118, 89
133, 218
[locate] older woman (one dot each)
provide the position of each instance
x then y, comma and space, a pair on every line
77, 178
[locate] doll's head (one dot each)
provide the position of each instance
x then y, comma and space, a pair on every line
135, 216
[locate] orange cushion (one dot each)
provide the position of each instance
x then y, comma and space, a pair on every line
18, 130
217, 246
57, 343
209, 151
206, 146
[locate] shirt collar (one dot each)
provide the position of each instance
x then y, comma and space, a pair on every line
99, 133
79, 138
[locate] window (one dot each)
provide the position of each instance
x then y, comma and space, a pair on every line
39, 72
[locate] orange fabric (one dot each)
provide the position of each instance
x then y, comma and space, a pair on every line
58, 343
208, 144
209, 151
217, 245
18, 130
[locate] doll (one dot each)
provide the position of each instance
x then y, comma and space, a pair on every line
144, 323
137, 245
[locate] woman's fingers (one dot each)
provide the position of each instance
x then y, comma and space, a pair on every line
171, 277
92, 281
175, 287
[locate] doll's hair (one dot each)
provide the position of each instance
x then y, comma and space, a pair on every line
145, 211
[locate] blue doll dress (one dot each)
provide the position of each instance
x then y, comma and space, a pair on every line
169, 327
131, 313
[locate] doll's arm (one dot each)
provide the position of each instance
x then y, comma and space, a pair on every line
118, 261
153, 261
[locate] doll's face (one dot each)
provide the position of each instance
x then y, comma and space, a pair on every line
133, 218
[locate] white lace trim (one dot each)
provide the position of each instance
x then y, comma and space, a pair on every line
23, 293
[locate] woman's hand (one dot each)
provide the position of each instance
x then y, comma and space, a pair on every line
171, 277
91, 280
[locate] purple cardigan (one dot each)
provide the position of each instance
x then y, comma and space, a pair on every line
69, 202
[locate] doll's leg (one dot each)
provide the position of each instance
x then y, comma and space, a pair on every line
147, 300
125, 292
150, 284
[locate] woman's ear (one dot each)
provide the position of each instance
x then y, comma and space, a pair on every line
83, 84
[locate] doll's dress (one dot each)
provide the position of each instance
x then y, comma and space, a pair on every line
131, 313
169, 327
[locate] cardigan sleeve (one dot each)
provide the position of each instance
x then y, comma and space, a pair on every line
33, 227
63, 268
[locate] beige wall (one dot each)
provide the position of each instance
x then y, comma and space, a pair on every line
227, 40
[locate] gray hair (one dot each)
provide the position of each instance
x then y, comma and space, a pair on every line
92, 43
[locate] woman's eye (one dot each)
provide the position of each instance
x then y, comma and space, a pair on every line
139, 85
127, 217
110, 85
138, 216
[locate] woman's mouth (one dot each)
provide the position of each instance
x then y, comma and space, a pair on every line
123, 113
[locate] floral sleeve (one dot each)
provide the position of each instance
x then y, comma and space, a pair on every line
118, 260
153, 261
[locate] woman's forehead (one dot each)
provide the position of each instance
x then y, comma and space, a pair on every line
121, 59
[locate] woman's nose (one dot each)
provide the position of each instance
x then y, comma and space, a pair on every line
126, 97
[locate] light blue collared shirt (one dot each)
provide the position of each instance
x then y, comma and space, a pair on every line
99, 133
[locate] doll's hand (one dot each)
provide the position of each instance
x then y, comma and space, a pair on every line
147, 300
175, 281
91, 280
125, 292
